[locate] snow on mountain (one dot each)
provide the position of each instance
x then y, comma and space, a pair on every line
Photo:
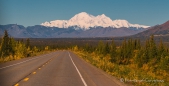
84, 21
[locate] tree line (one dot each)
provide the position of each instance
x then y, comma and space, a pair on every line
132, 52
132, 59
10, 49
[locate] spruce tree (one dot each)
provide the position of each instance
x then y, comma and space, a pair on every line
161, 47
135, 44
145, 55
100, 47
123, 49
11, 46
106, 49
138, 44
123, 52
113, 52
153, 49
161, 50
5, 47
27, 43
140, 58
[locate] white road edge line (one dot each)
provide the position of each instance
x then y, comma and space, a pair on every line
78, 71
21, 62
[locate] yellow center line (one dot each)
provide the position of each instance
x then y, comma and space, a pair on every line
26, 79
16, 84
34, 73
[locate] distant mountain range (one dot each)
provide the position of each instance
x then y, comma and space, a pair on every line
81, 25
86, 21
158, 30
38, 31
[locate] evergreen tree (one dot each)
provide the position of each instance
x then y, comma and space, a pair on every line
145, 55
5, 46
123, 52
164, 63
27, 43
100, 47
11, 46
138, 44
123, 49
161, 50
106, 49
153, 49
113, 52
135, 44
140, 58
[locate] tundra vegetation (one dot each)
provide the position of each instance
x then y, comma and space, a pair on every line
132, 61
10, 49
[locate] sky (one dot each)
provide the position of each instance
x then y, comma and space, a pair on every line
35, 12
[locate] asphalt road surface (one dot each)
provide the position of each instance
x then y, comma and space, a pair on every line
61, 68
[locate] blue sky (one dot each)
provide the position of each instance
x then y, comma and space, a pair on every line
35, 12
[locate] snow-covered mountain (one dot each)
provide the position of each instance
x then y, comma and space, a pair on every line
81, 25
86, 21
39, 31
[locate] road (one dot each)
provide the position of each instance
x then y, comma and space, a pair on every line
61, 68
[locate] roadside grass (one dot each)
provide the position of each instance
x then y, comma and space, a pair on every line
129, 74
15, 57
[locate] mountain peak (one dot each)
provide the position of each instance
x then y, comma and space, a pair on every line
81, 16
82, 13
84, 21
103, 15
166, 24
